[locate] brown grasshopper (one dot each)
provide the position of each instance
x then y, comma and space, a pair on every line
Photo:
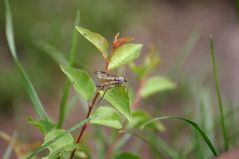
109, 81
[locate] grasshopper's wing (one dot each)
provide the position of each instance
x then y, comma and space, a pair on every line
101, 74
105, 76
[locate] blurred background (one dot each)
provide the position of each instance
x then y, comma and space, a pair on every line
180, 29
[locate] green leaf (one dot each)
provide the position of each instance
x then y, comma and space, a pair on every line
53, 140
82, 82
193, 124
66, 139
43, 125
55, 54
106, 116
96, 39
156, 84
118, 97
139, 117
26, 81
126, 155
62, 153
62, 147
124, 54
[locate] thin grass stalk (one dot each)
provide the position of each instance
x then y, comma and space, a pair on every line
66, 88
218, 91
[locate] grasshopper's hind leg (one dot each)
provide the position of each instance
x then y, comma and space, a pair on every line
103, 95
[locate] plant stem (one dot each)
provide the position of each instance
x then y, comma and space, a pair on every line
91, 107
107, 61
71, 60
217, 84
138, 95
63, 103
85, 125
90, 110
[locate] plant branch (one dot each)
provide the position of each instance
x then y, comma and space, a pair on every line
138, 96
88, 113
85, 125
108, 60
91, 108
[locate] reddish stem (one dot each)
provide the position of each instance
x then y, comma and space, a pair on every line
90, 110
85, 125
92, 105
108, 60
138, 95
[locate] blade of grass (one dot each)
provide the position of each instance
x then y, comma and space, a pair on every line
153, 141
193, 124
64, 99
233, 121
32, 93
75, 39
157, 144
43, 147
7, 153
217, 84
199, 149
147, 141
72, 57
185, 51
205, 118
27, 83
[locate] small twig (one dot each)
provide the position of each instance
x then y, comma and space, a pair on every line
108, 61
86, 125
94, 103
138, 95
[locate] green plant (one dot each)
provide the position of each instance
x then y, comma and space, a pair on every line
122, 111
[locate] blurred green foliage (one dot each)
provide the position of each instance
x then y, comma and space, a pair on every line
52, 22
